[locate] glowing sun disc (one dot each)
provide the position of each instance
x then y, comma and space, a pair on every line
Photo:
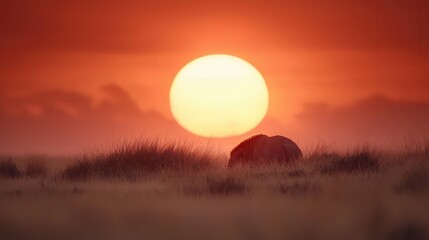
218, 96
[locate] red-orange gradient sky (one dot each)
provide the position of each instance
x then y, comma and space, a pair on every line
79, 73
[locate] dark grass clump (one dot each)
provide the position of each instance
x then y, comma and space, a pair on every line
298, 188
415, 181
8, 169
36, 169
138, 159
363, 159
225, 186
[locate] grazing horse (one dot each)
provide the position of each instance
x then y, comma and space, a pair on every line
261, 149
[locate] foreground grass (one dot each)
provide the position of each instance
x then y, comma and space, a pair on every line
152, 191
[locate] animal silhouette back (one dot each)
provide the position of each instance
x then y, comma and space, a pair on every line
261, 149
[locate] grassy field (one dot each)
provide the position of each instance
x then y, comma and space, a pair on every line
152, 190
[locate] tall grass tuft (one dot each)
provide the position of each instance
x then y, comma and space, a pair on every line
36, 168
362, 159
8, 169
140, 158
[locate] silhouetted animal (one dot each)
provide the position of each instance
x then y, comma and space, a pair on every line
260, 149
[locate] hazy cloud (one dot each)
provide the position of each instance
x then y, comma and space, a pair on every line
377, 119
60, 121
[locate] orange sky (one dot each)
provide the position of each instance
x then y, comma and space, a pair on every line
338, 53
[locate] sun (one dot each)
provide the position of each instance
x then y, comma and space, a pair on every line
219, 96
